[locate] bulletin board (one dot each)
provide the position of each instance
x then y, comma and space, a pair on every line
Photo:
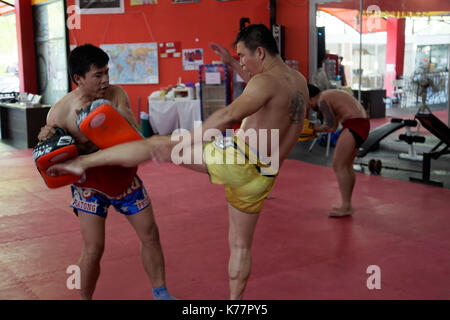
170, 49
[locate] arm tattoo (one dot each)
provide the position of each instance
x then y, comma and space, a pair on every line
297, 112
328, 115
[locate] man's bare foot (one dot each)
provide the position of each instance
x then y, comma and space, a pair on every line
341, 212
343, 206
72, 167
336, 206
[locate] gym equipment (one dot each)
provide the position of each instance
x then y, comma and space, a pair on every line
328, 143
442, 132
409, 138
308, 131
438, 129
103, 124
58, 148
375, 166
378, 134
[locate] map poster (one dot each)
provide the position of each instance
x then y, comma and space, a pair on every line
192, 59
132, 63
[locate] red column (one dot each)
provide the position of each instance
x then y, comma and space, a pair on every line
395, 52
25, 46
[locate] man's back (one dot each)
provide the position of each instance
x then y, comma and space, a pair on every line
343, 104
284, 110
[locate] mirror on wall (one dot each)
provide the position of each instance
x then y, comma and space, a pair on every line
400, 49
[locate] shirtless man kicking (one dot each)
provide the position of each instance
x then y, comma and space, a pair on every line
272, 109
337, 106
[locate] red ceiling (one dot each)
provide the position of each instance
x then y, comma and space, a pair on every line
351, 17
348, 11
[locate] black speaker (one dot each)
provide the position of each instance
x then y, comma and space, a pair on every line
242, 22
278, 34
320, 45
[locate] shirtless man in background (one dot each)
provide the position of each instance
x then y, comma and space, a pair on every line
337, 106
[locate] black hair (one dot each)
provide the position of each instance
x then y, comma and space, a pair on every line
313, 90
82, 57
257, 35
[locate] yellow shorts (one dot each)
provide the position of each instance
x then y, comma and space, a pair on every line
232, 164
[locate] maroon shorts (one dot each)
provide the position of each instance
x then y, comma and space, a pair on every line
359, 128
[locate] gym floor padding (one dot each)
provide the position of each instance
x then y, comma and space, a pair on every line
298, 252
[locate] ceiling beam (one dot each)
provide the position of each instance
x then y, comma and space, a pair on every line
7, 3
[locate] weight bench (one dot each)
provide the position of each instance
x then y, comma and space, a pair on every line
442, 132
378, 134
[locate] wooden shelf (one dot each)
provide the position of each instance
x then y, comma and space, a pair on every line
20, 124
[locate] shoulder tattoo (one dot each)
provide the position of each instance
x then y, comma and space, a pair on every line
298, 108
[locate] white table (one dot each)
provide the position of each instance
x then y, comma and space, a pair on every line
166, 116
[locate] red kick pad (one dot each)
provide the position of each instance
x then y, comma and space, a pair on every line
110, 180
102, 124
106, 127
57, 149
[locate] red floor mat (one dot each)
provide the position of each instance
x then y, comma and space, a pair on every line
299, 253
